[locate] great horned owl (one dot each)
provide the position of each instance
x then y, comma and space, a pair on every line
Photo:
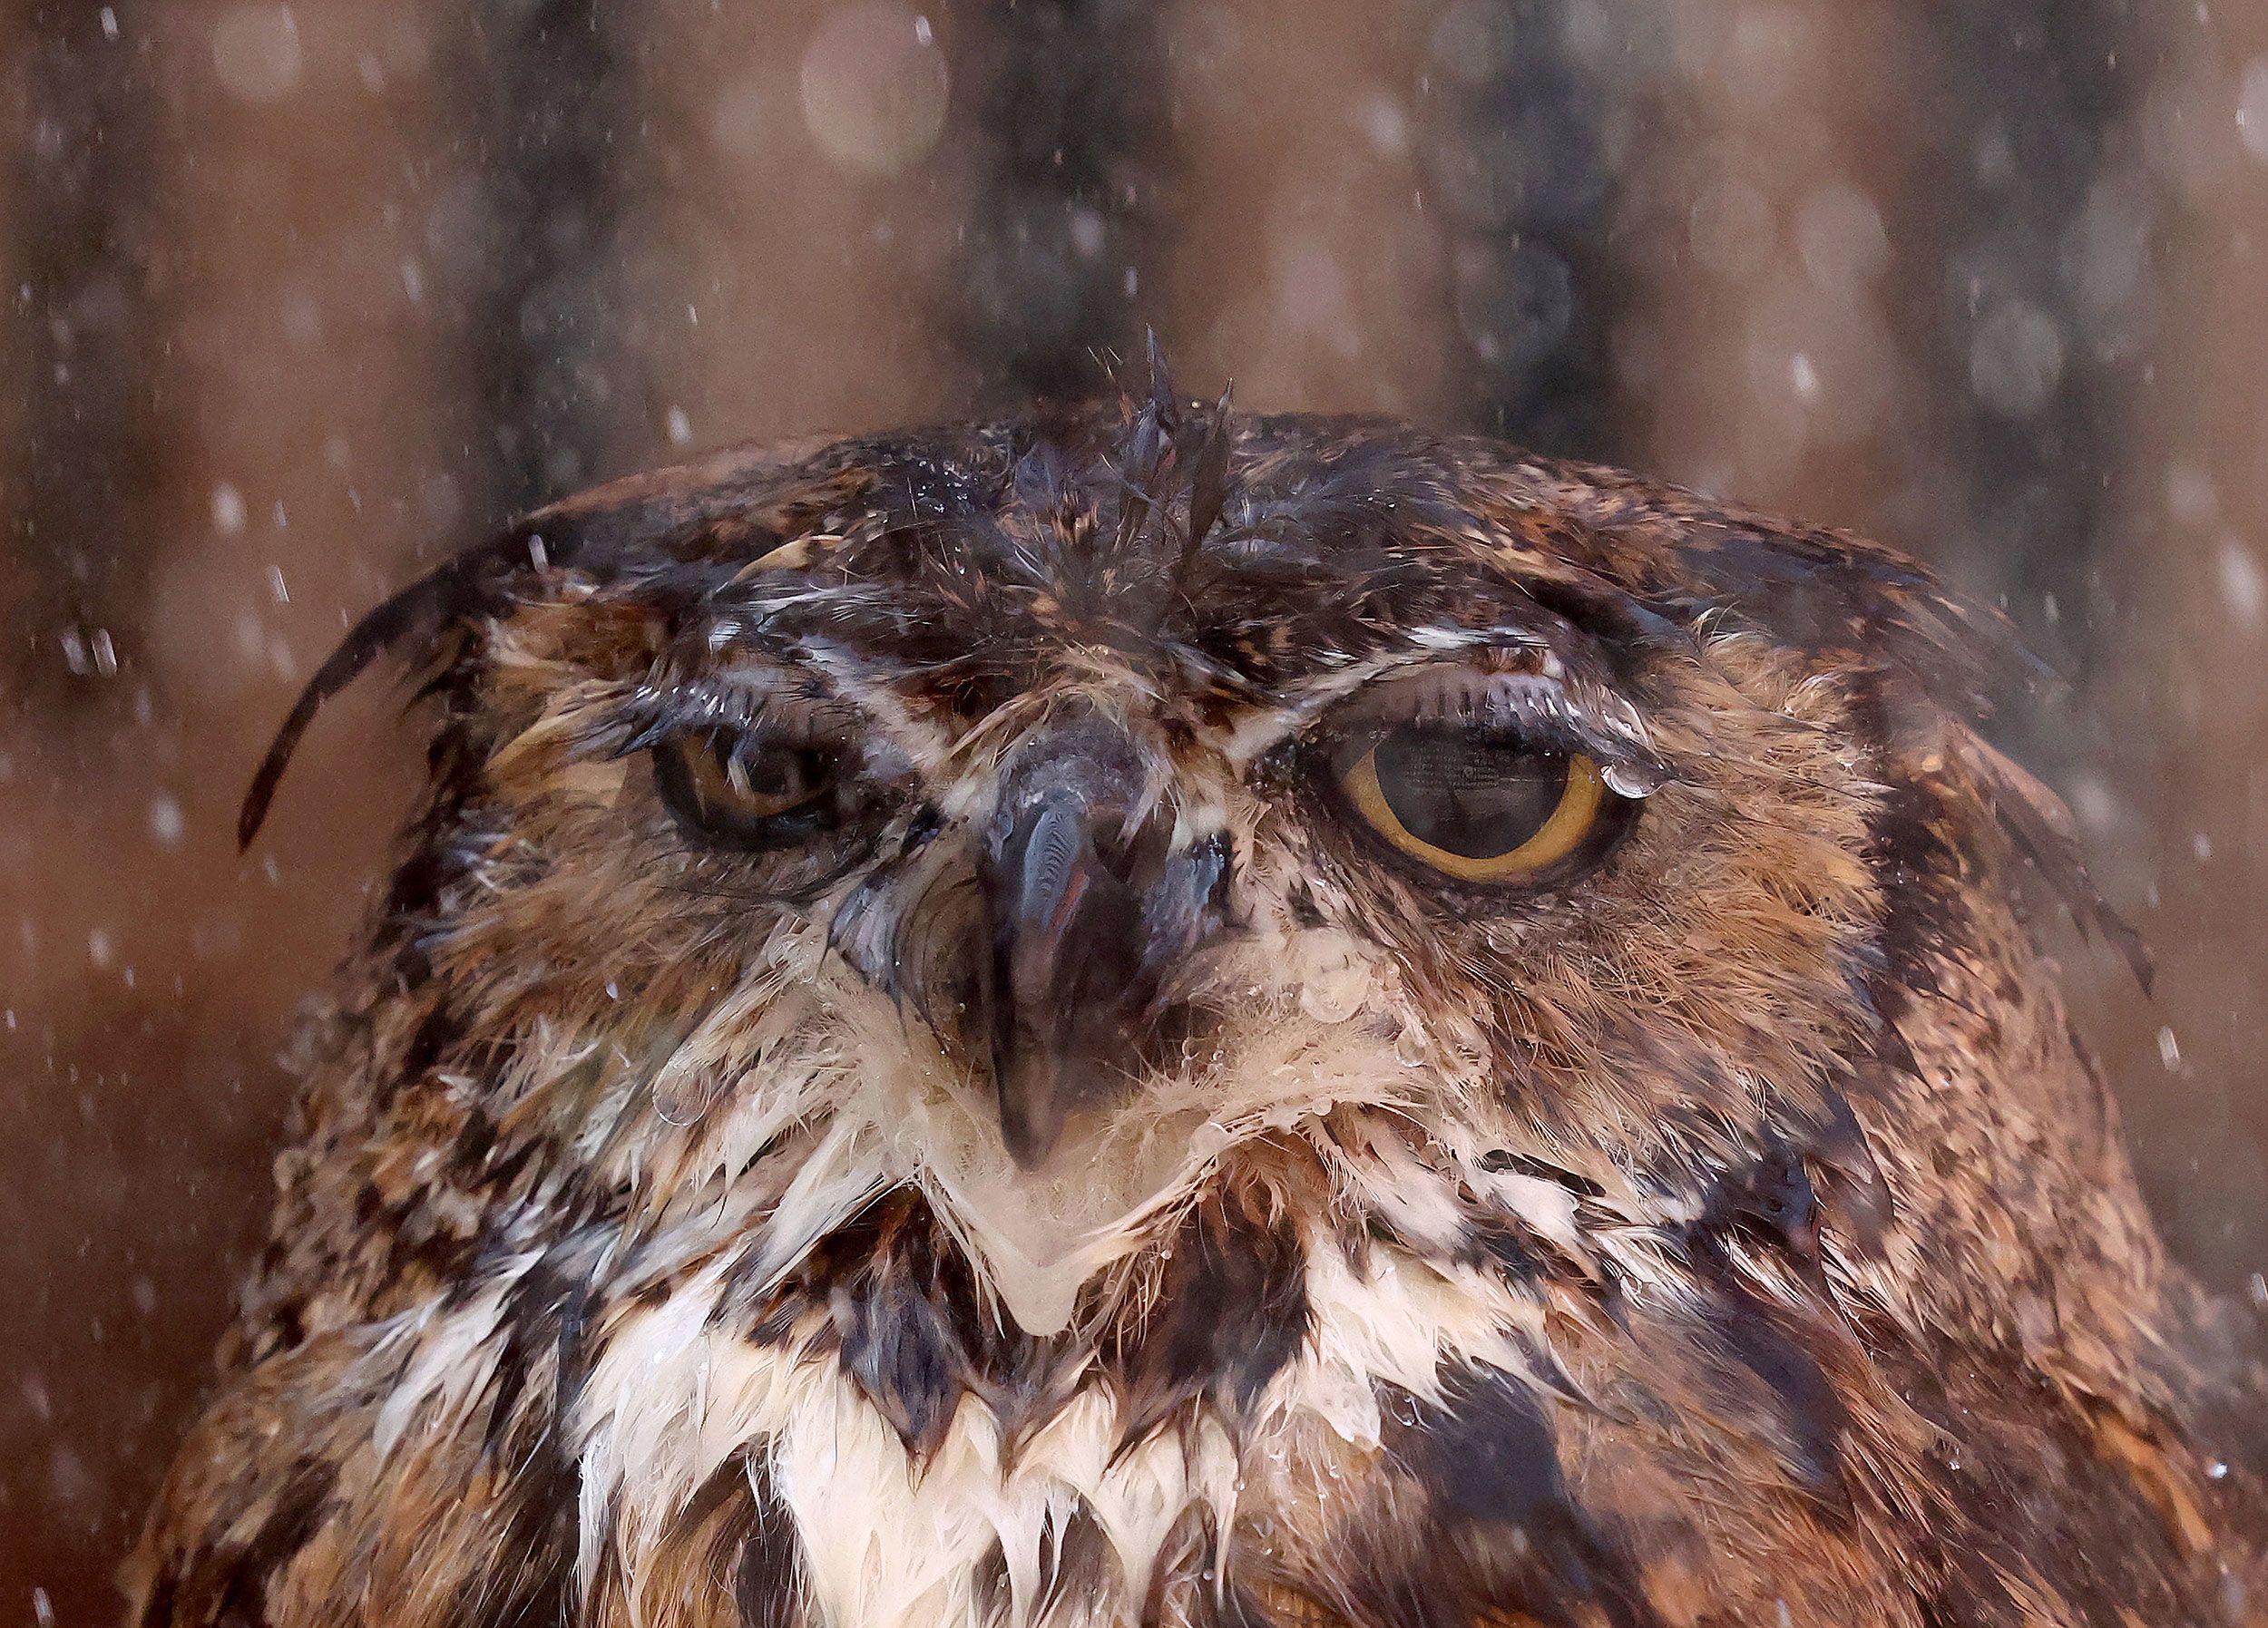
1134, 1018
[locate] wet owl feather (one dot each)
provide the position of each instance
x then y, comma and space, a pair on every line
912, 1070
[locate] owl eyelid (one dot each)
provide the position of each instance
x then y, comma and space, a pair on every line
1542, 708
767, 699
1541, 738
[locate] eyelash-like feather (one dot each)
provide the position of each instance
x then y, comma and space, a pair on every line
779, 703
1527, 706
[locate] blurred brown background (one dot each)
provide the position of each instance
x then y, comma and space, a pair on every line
296, 297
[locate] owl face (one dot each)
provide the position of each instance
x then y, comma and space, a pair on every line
1050, 825
1134, 1019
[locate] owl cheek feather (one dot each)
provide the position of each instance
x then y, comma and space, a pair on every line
1085, 912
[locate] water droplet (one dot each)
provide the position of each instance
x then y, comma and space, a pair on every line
2252, 109
874, 87
1839, 233
737, 118
166, 821
1384, 124
1087, 233
256, 51
1730, 227
2243, 588
227, 510
1628, 779
2191, 496
2016, 358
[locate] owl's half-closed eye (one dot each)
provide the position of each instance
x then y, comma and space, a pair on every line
1481, 776
745, 792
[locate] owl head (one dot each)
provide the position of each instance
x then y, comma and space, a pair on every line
1132, 1016
1051, 815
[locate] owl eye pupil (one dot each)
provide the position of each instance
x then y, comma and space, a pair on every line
778, 776
746, 792
1470, 799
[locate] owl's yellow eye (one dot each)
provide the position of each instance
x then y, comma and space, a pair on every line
748, 792
1474, 809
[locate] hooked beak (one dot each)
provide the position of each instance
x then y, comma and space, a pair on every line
1085, 919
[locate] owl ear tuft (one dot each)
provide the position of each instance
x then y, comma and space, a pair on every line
1208, 481
1156, 465
2042, 832
452, 591
1161, 397
1209, 486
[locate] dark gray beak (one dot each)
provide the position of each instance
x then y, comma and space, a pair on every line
1087, 913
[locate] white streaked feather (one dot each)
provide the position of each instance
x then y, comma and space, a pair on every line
455, 1357
839, 1178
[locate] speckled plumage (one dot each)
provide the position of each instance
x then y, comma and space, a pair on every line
1728, 1232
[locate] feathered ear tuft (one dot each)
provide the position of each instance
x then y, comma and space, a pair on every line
1144, 460
1208, 485
1861, 606
458, 588
1156, 465
1161, 398
2042, 832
